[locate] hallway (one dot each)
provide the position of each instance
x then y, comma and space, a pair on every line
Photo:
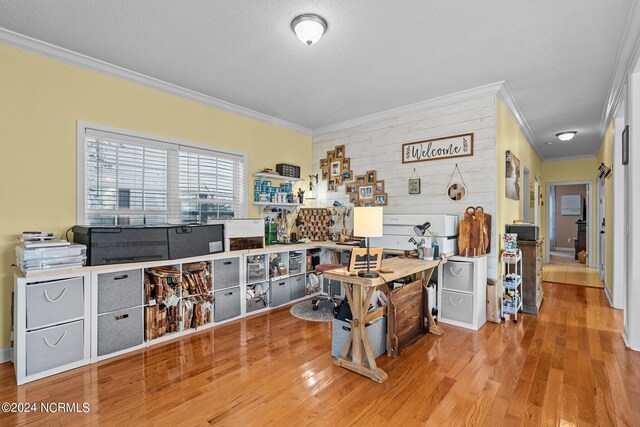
564, 269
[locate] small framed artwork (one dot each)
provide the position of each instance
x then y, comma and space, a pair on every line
371, 177
336, 169
331, 186
331, 154
338, 181
353, 197
325, 174
414, 186
324, 164
360, 179
365, 192
350, 188
379, 187
346, 163
339, 151
347, 175
381, 200
368, 205
625, 145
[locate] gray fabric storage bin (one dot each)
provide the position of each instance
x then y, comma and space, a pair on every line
458, 276
226, 273
280, 292
120, 330
298, 286
120, 290
257, 303
54, 347
457, 306
376, 330
227, 304
54, 302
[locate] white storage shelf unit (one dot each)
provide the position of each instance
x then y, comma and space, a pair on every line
463, 291
102, 310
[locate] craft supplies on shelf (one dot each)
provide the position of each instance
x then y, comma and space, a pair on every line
162, 285
197, 311
511, 283
196, 278
31, 259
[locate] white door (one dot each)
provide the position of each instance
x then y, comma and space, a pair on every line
536, 202
602, 239
525, 194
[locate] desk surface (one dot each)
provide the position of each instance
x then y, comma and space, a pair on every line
401, 267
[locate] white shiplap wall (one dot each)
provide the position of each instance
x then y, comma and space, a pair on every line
378, 146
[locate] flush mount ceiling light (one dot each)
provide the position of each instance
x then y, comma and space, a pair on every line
309, 28
566, 136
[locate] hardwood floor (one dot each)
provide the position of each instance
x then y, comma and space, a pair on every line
566, 270
567, 366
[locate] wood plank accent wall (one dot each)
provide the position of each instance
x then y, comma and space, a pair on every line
377, 146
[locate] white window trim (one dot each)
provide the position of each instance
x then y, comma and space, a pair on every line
82, 126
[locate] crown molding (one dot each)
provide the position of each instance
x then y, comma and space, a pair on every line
510, 104
39, 47
626, 58
576, 157
478, 92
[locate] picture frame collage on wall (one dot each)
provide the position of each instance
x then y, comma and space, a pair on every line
363, 190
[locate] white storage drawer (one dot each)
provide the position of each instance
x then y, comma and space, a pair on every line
54, 347
54, 302
458, 276
120, 330
119, 290
457, 306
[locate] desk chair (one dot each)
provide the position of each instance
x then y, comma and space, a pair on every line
321, 268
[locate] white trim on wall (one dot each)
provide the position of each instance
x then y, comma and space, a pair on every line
39, 47
5, 354
511, 105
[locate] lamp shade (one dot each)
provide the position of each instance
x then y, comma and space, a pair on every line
367, 222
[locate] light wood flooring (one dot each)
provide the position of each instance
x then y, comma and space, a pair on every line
566, 366
565, 269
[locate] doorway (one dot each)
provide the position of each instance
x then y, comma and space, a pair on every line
526, 182
600, 224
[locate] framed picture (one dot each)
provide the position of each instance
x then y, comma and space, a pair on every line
331, 186
350, 188
625, 145
353, 197
371, 177
346, 164
380, 200
325, 174
360, 179
339, 151
347, 175
368, 205
336, 169
414, 186
324, 163
365, 192
379, 187
512, 176
338, 181
331, 154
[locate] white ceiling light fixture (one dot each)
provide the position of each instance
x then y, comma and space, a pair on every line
309, 28
566, 136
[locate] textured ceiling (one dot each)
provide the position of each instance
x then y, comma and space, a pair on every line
556, 56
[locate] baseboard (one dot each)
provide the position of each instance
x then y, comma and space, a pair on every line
559, 249
608, 294
5, 354
626, 342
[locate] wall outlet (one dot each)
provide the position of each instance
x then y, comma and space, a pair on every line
569, 240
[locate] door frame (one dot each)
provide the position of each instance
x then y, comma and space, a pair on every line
589, 199
526, 183
601, 214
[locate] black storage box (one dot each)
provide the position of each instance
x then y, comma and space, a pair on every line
528, 232
187, 241
284, 169
116, 245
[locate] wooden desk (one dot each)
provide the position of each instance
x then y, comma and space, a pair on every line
359, 292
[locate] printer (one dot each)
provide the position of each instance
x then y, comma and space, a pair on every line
398, 229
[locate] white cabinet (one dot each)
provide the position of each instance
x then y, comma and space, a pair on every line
463, 291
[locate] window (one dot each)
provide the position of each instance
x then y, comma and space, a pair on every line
129, 179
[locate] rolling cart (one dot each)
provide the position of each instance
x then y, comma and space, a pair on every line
511, 283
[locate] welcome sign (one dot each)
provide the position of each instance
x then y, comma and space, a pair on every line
438, 148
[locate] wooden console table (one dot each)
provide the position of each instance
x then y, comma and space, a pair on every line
359, 292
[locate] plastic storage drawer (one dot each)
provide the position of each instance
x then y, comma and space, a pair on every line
297, 284
120, 330
54, 302
227, 304
226, 273
458, 276
119, 290
54, 347
376, 331
457, 306
280, 292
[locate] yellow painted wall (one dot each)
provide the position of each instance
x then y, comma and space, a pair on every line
41, 101
605, 155
570, 171
509, 137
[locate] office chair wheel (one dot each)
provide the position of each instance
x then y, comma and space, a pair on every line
515, 321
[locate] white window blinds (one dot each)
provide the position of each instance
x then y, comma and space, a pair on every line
130, 180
